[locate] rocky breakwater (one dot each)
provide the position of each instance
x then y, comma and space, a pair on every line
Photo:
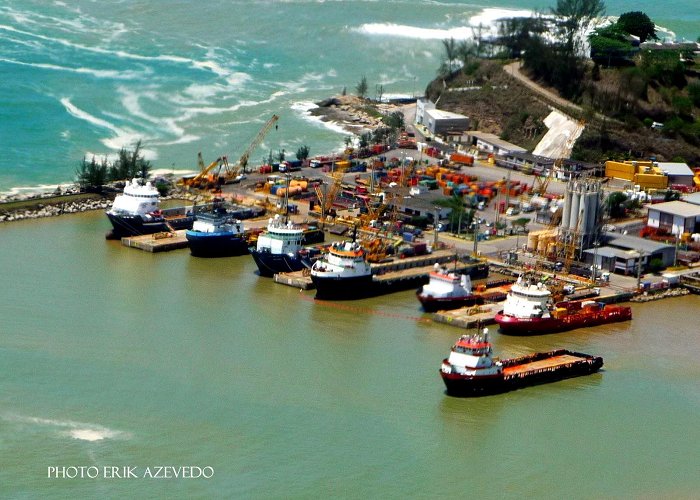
354, 114
19, 207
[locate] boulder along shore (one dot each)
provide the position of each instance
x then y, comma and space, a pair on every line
353, 114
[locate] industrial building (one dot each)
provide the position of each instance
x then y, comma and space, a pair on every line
439, 122
491, 143
622, 253
675, 217
693, 198
524, 162
679, 174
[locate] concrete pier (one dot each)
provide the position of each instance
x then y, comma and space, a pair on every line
158, 242
469, 317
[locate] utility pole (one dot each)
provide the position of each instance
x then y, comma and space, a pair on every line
507, 189
595, 263
639, 270
476, 235
436, 222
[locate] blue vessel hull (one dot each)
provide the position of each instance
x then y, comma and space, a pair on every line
270, 264
225, 244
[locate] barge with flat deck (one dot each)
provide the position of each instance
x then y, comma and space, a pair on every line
471, 369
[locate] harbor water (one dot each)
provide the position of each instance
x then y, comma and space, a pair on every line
114, 357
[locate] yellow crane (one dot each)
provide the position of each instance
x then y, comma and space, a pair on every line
204, 178
326, 194
230, 172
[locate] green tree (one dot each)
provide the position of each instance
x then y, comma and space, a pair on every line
459, 216
302, 152
380, 92
574, 17
365, 139
395, 120
610, 46
638, 24
91, 176
129, 164
515, 34
579, 13
361, 87
694, 93
450, 46
467, 51
614, 204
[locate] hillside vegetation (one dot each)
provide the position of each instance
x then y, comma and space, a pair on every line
636, 102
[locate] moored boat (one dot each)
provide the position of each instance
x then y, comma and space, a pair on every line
217, 233
345, 272
471, 370
137, 211
447, 290
280, 248
529, 309
342, 272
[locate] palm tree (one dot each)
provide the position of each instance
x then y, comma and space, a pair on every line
450, 52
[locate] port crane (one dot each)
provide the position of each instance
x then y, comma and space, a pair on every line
326, 194
231, 171
204, 178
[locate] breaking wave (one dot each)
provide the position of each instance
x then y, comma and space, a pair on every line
68, 428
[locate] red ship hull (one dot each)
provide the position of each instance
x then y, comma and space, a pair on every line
510, 325
513, 378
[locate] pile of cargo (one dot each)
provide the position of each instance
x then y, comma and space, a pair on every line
645, 174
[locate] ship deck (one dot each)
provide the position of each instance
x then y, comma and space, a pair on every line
541, 364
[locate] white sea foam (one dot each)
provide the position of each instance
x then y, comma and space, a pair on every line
203, 65
84, 115
75, 430
123, 137
303, 109
33, 190
160, 172
486, 18
99, 73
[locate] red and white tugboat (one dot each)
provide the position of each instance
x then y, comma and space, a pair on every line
447, 290
529, 309
471, 370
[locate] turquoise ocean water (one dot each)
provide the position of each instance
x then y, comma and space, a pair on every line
87, 78
111, 357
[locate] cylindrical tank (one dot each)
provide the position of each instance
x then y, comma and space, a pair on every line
575, 202
567, 207
532, 241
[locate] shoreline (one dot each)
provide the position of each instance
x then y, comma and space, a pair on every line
350, 113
